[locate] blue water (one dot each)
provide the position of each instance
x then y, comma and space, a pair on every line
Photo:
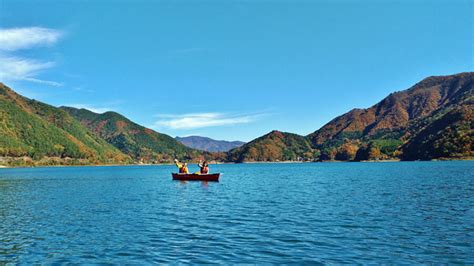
408, 212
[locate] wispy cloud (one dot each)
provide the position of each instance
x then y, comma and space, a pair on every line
202, 120
18, 68
42, 81
24, 38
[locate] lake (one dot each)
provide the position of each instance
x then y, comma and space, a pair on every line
404, 212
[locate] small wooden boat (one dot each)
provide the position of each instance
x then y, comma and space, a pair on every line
196, 177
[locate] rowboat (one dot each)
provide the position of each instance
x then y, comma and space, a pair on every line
197, 177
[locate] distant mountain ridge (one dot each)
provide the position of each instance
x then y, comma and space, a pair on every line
208, 144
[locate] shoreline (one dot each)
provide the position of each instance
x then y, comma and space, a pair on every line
218, 163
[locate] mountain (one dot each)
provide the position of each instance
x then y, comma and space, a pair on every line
275, 146
431, 120
397, 119
36, 133
449, 134
208, 144
138, 142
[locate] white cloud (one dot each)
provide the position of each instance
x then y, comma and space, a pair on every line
95, 109
202, 120
17, 68
47, 82
24, 38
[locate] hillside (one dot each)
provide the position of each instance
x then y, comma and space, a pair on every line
275, 146
140, 143
36, 133
208, 144
431, 120
449, 134
397, 119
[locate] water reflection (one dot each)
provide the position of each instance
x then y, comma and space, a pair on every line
204, 184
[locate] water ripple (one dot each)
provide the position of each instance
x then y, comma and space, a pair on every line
401, 213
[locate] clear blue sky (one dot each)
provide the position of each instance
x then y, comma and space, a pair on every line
231, 70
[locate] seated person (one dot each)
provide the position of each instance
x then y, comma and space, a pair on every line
204, 168
183, 167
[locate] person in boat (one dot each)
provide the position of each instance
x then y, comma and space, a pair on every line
183, 167
204, 166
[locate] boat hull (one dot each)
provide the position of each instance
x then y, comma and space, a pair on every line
196, 177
